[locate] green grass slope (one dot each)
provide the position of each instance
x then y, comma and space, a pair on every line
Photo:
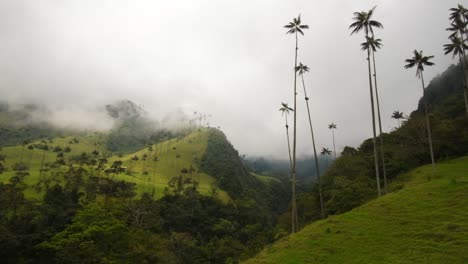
424, 222
173, 155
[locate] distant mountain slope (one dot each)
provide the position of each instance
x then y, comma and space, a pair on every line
175, 156
424, 222
223, 162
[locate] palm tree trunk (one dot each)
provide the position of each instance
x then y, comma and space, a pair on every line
376, 161
465, 83
333, 135
428, 126
289, 145
293, 171
382, 156
42, 163
30, 159
465, 60
322, 209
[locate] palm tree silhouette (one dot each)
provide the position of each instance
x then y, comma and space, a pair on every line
457, 46
374, 44
332, 127
301, 69
294, 27
397, 115
44, 148
363, 21
133, 162
420, 61
326, 153
459, 19
285, 111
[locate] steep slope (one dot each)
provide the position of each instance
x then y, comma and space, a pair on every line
175, 156
424, 222
204, 155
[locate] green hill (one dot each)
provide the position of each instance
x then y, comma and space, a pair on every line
424, 222
181, 155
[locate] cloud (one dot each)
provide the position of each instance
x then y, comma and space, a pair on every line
230, 59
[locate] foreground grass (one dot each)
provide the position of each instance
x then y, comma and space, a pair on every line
425, 222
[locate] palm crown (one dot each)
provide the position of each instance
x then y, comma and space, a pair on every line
295, 26
363, 21
419, 61
373, 43
285, 108
301, 69
457, 46
458, 12
325, 151
397, 115
332, 126
457, 25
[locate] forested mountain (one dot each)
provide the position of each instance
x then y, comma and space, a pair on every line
183, 198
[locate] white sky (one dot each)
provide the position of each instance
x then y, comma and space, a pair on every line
230, 59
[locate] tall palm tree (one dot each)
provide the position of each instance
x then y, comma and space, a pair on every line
374, 44
363, 21
155, 160
133, 162
457, 46
294, 27
420, 61
285, 111
397, 115
459, 16
44, 148
326, 152
301, 69
332, 127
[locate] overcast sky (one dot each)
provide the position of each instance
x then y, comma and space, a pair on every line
231, 59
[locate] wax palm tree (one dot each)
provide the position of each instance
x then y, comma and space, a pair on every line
458, 12
420, 61
374, 44
285, 111
133, 162
44, 148
155, 160
332, 127
31, 150
457, 46
363, 21
301, 69
326, 153
397, 115
459, 19
295, 27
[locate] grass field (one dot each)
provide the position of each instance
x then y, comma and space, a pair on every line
173, 155
424, 222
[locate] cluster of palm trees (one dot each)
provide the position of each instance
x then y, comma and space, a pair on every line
458, 39
363, 22
296, 27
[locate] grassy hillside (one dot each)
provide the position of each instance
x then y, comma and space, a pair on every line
424, 222
174, 156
